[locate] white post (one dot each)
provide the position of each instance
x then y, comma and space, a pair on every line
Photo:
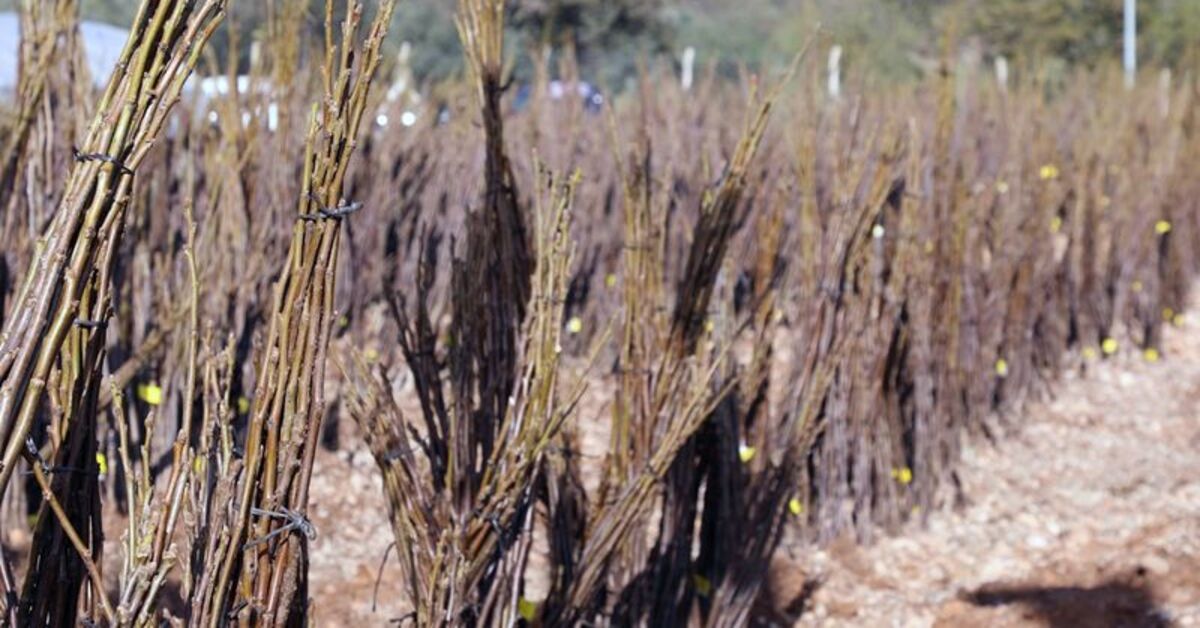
1130, 42
835, 72
689, 67
1164, 92
1002, 72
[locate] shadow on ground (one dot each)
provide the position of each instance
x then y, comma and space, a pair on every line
1114, 603
779, 608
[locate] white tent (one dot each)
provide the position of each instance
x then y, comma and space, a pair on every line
102, 44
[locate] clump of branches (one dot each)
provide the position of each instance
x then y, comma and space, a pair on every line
462, 509
54, 338
672, 378
250, 554
462, 522
48, 91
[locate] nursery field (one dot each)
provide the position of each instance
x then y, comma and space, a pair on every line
1040, 536
296, 343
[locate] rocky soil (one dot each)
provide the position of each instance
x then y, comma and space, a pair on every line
1088, 514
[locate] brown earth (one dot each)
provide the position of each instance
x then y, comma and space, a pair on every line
1087, 515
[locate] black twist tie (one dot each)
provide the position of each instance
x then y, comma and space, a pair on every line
108, 159
84, 323
295, 521
35, 455
334, 213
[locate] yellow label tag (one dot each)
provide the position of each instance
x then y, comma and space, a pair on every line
1002, 367
1162, 227
102, 462
795, 506
243, 405
526, 609
575, 325
1109, 346
1151, 354
903, 475
610, 280
150, 393
746, 453
1055, 224
1048, 172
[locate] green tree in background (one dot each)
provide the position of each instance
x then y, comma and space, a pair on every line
1172, 33
879, 37
608, 36
1076, 31
884, 39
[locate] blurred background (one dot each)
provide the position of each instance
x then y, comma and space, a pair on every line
884, 40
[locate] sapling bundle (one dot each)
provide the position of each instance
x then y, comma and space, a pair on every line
55, 336
462, 510
254, 565
50, 103
37, 151
496, 238
463, 529
670, 385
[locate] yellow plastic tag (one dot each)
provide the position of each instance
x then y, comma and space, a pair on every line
526, 609
150, 393
903, 475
